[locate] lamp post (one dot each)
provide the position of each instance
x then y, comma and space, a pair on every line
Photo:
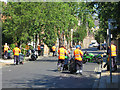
0, 34
110, 27
0, 42
34, 40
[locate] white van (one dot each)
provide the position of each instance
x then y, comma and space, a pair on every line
94, 43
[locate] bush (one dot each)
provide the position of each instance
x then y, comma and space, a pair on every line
22, 51
31, 47
12, 46
23, 45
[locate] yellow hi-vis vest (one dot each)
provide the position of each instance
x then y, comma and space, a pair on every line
6, 48
62, 53
16, 51
113, 50
78, 54
53, 48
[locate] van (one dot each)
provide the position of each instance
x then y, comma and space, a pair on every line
94, 43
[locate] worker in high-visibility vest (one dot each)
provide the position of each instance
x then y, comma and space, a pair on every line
61, 58
53, 49
113, 54
78, 59
39, 50
16, 52
6, 49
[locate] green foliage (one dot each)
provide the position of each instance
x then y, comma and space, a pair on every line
23, 19
108, 10
31, 47
99, 36
23, 45
79, 34
12, 46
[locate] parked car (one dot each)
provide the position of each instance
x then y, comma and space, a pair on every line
102, 46
95, 44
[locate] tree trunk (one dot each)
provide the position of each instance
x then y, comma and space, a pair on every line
0, 43
36, 40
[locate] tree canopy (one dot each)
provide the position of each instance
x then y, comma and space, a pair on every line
49, 20
108, 10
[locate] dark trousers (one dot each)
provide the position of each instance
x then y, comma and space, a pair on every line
16, 59
113, 59
61, 61
78, 65
6, 53
38, 52
53, 53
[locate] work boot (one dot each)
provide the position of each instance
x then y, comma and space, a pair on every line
80, 71
61, 69
14, 63
77, 71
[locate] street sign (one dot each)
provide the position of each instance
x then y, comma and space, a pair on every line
112, 24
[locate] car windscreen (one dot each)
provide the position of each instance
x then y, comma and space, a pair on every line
93, 43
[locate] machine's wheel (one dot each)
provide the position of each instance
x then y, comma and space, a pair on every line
84, 62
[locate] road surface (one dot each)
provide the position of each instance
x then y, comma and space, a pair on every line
43, 74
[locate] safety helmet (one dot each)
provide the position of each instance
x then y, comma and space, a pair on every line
78, 46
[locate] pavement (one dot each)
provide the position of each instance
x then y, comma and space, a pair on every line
104, 79
4, 62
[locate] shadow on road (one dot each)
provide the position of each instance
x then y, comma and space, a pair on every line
46, 60
53, 82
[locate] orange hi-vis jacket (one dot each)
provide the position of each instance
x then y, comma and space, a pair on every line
62, 53
38, 47
78, 54
53, 48
113, 50
16, 51
6, 48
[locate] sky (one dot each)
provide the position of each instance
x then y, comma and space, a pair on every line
4, 0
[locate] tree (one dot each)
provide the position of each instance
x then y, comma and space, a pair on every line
49, 20
108, 10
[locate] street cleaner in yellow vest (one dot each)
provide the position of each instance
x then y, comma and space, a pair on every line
6, 50
61, 58
16, 52
78, 59
113, 57
53, 49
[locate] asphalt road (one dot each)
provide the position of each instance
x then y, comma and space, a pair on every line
43, 74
